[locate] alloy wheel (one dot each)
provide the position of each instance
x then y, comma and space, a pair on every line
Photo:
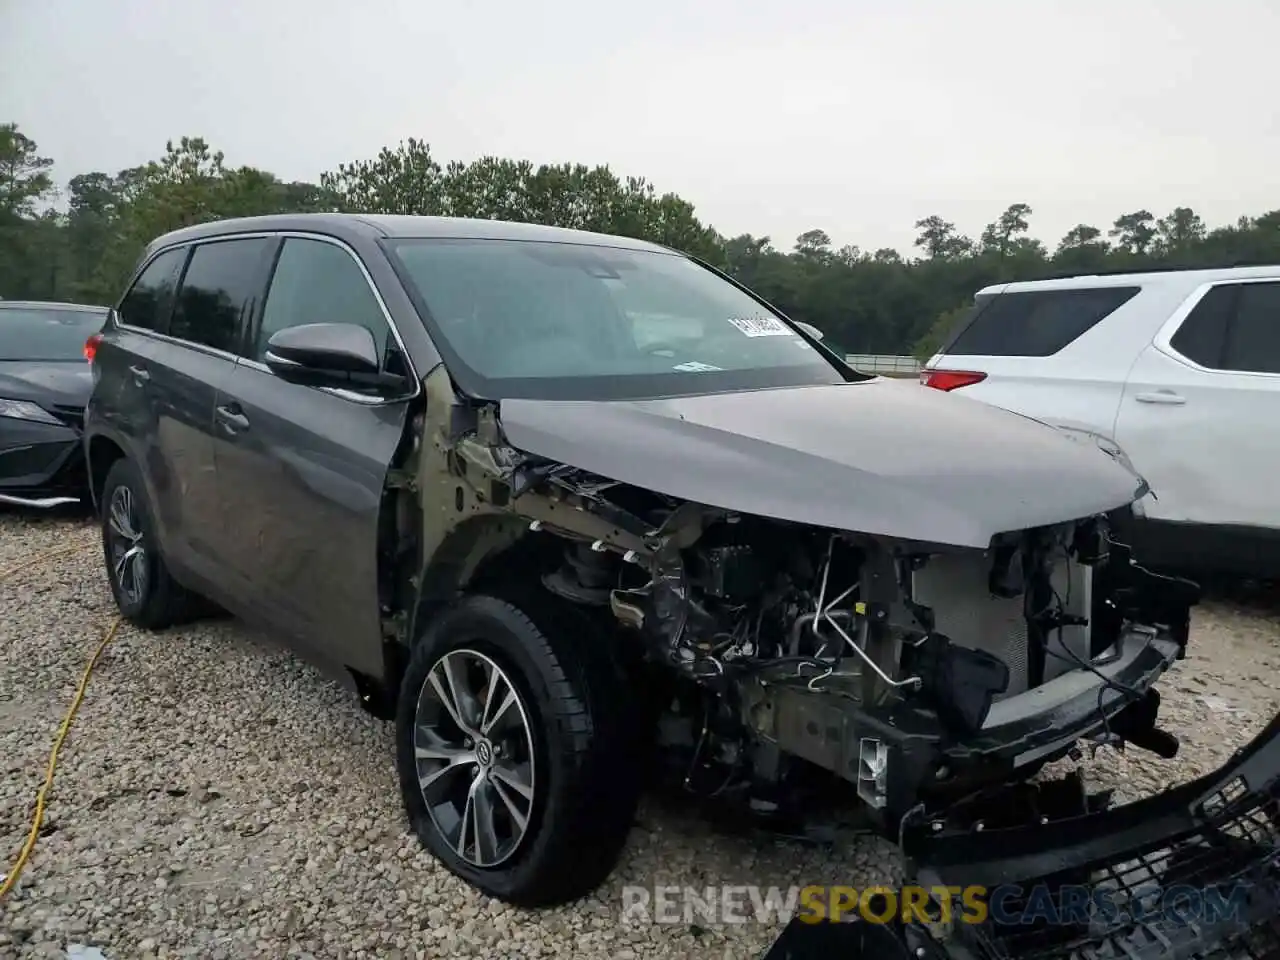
125, 546
473, 747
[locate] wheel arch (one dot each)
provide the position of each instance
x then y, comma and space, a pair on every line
101, 453
479, 553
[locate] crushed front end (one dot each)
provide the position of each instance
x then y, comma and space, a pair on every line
916, 672
954, 670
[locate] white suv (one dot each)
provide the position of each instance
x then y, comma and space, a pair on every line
1180, 369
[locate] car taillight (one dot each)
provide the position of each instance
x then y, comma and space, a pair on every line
950, 379
91, 346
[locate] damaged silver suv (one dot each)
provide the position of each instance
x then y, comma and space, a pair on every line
569, 506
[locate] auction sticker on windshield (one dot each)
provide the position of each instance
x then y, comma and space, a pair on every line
695, 366
762, 326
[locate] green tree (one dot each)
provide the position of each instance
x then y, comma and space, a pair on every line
24, 174
30, 261
814, 245
867, 303
1134, 232
999, 238
404, 180
1083, 248
940, 240
111, 219
408, 180
1081, 235
928, 345
1178, 233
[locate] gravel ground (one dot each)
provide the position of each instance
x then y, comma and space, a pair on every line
218, 798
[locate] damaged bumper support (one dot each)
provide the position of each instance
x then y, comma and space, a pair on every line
899, 753
1192, 873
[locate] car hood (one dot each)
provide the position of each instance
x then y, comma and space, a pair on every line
66, 383
877, 457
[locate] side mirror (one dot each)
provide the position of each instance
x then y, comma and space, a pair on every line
809, 328
323, 353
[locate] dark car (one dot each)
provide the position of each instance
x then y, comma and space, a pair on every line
569, 507
44, 386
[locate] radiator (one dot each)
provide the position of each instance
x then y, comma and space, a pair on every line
955, 587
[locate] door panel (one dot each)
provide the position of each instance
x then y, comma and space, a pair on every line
301, 474
219, 288
301, 469
1203, 434
1044, 392
181, 384
1176, 425
123, 395
165, 393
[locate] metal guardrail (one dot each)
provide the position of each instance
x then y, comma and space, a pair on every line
875, 363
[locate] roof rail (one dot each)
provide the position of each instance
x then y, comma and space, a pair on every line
1079, 274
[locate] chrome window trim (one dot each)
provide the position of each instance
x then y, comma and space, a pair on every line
414, 378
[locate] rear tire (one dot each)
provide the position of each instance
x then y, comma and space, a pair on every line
144, 590
577, 754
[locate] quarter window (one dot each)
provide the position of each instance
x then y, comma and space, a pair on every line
1253, 342
1236, 327
149, 300
319, 282
217, 292
1203, 334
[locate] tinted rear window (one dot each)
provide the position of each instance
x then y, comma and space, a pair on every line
1035, 323
1202, 337
1254, 342
46, 333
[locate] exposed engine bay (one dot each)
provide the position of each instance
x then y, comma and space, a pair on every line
919, 673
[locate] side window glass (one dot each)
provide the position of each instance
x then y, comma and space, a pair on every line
1253, 343
1202, 335
1036, 323
216, 290
318, 282
149, 300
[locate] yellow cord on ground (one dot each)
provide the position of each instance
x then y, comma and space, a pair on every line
37, 821
43, 558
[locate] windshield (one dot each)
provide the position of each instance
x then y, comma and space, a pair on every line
573, 321
47, 333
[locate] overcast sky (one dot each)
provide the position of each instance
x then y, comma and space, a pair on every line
858, 117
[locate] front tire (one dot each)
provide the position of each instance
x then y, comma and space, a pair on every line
516, 751
144, 590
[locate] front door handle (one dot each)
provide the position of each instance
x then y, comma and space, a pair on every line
1160, 396
232, 419
140, 375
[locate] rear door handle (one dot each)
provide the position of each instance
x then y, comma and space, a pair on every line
232, 419
1160, 396
140, 376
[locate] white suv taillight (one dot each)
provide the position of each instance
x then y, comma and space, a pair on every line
950, 379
